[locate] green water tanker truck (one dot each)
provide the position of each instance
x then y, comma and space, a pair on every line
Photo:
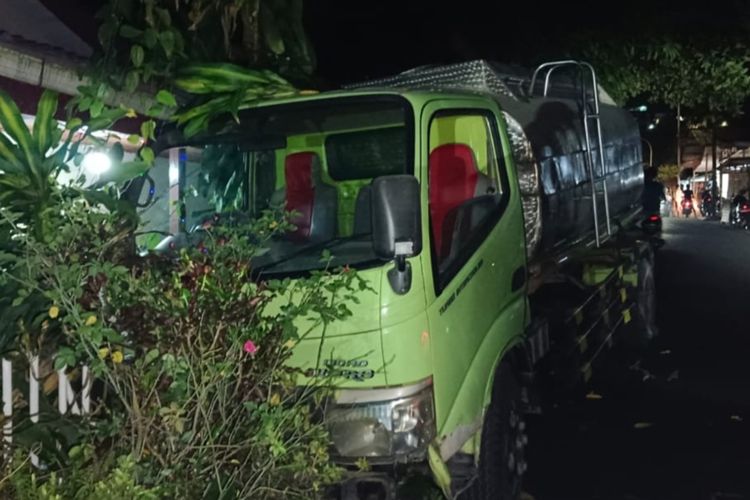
493, 214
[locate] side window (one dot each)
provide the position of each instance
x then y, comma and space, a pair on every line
468, 186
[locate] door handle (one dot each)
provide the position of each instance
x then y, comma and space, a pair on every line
518, 279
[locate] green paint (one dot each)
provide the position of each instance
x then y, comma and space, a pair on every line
439, 470
456, 336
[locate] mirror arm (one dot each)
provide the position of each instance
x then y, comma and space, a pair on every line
399, 276
401, 263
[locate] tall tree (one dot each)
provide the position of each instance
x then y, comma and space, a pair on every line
705, 80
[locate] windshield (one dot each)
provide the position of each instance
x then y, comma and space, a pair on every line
315, 160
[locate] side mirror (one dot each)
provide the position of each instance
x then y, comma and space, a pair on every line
396, 229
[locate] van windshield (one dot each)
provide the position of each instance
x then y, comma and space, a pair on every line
315, 160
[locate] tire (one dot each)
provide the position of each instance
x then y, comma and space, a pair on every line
502, 459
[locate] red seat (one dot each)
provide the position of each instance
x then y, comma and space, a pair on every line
300, 192
453, 181
314, 201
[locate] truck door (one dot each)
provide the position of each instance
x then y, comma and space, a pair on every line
477, 254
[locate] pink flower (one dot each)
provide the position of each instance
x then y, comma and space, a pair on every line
250, 347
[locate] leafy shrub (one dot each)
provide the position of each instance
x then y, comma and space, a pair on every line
192, 396
189, 350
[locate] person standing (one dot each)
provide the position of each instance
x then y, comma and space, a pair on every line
653, 193
688, 195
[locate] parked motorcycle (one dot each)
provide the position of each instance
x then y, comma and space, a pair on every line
651, 225
739, 215
687, 207
708, 207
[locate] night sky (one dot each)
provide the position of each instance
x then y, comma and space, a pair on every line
356, 40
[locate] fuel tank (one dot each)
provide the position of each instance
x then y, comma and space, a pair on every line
549, 145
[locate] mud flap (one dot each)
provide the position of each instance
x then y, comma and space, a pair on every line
537, 345
537, 340
440, 471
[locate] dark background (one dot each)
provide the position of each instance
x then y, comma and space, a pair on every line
356, 40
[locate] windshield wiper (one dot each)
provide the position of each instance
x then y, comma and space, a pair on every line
323, 245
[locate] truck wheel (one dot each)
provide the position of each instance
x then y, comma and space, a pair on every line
502, 461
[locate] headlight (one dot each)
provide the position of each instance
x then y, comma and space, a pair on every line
401, 426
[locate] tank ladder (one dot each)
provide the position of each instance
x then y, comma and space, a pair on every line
590, 107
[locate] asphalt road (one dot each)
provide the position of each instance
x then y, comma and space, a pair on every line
673, 423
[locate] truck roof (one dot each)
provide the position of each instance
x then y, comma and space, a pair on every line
484, 77
506, 84
413, 94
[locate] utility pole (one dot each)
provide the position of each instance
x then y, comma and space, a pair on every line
679, 167
714, 152
650, 152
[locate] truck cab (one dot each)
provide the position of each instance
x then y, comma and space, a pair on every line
417, 191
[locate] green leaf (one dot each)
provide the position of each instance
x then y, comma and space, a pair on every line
44, 123
96, 197
73, 123
10, 152
271, 33
96, 108
195, 125
151, 356
14, 126
163, 14
148, 155
65, 357
136, 55
150, 38
127, 31
132, 79
134, 138
166, 98
106, 119
156, 110
167, 41
106, 33
84, 103
147, 129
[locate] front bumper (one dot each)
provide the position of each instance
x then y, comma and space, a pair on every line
404, 481
365, 486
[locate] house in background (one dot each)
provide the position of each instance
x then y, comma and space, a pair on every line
38, 51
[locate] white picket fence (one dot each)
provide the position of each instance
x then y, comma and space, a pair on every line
67, 399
